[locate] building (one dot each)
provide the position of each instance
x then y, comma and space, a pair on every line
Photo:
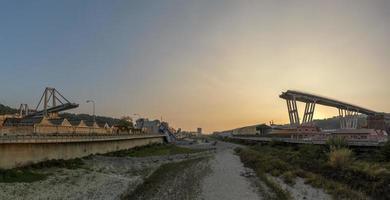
254, 130
147, 126
199, 131
48, 126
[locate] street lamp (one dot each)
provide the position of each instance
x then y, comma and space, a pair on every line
93, 102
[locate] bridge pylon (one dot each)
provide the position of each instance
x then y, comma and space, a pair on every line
348, 113
23, 110
348, 119
294, 114
52, 102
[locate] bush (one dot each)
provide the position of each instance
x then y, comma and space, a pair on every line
288, 177
337, 143
385, 152
340, 158
20, 176
60, 163
311, 157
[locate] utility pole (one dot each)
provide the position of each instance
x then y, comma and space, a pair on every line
94, 116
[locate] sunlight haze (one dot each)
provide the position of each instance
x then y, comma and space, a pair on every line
211, 64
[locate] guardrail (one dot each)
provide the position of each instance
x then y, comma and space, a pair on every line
9, 139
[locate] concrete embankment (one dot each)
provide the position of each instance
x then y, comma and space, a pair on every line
21, 152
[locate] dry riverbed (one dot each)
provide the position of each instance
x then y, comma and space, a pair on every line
206, 171
100, 177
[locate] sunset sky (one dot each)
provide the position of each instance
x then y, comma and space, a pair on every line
216, 64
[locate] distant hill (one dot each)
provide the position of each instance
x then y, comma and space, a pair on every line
334, 122
99, 119
4, 110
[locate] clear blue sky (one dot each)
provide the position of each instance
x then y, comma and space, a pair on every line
212, 64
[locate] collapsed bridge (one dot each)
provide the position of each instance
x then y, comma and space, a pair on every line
348, 113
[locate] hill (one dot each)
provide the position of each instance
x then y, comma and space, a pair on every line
4, 110
99, 119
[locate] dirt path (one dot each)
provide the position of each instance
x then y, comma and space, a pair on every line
226, 180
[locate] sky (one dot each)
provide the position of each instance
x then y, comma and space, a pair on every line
215, 64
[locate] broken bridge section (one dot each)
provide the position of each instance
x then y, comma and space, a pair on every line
51, 103
348, 113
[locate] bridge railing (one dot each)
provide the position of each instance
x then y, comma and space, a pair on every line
69, 138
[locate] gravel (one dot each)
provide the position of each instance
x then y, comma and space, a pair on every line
301, 191
229, 178
105, 178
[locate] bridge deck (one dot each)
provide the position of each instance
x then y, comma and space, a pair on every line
306, 97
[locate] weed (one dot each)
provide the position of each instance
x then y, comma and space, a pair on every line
158, 180
337, 143
340, 158
20, 175
289, 177
153, 150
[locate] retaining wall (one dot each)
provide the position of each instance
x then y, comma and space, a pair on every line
20, 154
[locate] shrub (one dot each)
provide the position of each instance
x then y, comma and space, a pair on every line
20, 175
340, 158
337, 143
385, 152
311, 157
288, 177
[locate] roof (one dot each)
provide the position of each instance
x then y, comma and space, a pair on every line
254, 126
30, 121
91, 123
308, 98
56, 122
74, 122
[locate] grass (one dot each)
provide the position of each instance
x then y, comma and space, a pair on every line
167, 172
20, 175
28, 175
60, 163
308, 162
254, 160
289, 177
340, 158
153, 150
337, 190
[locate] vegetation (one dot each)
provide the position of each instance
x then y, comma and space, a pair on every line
20, 175
68, 164
340, 158
153, 150
335, 168
27, 174
337, 143
254, 160
125, 124
161, 178
86, 117
385, 152
4, 110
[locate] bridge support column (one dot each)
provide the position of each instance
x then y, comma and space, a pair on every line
348, 119
293, 112
309, 112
